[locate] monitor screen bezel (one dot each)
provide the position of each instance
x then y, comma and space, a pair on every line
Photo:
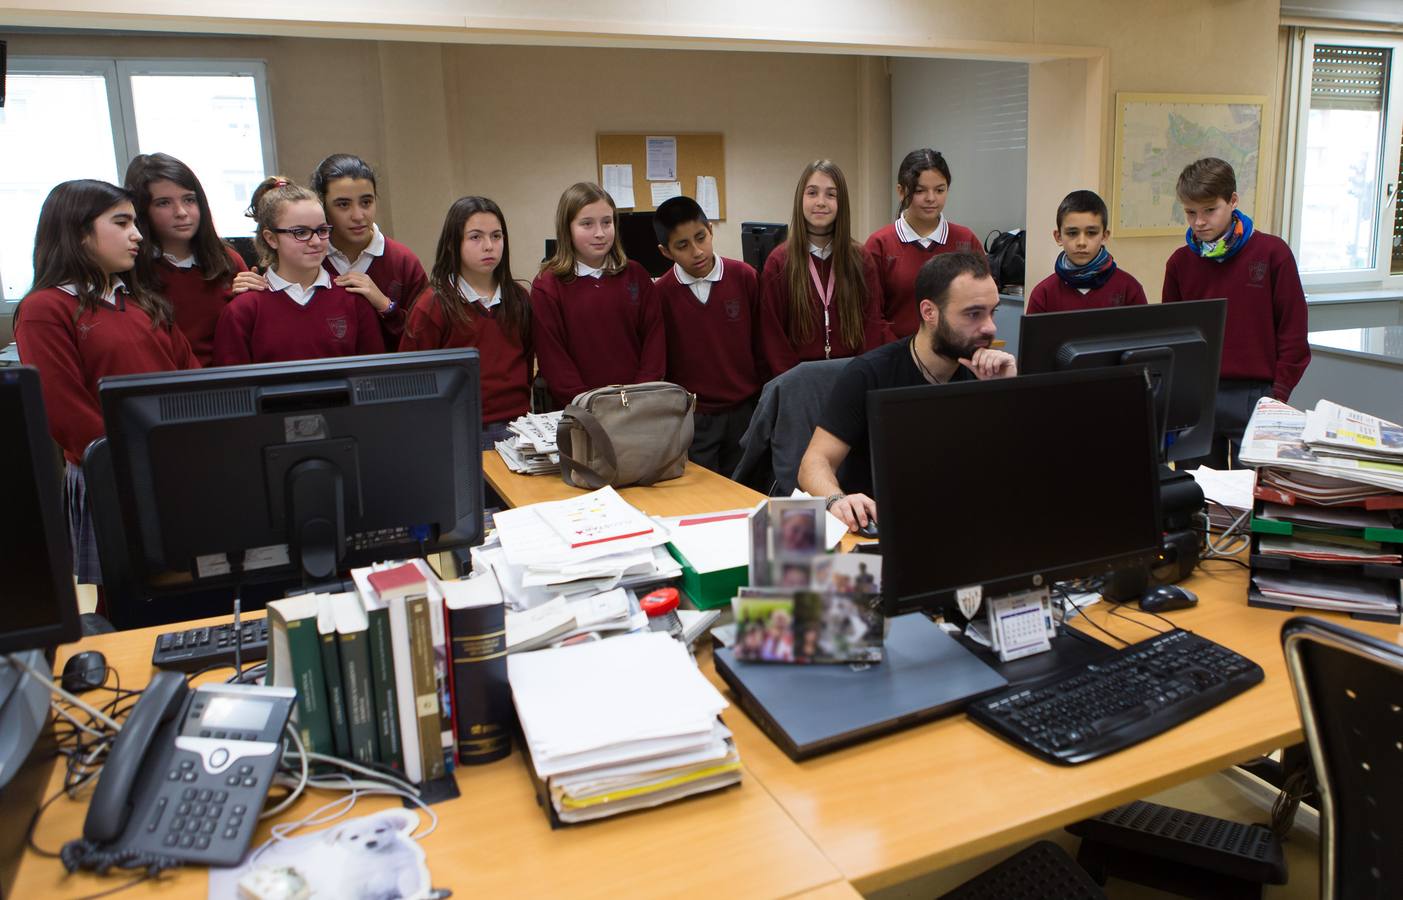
942, 599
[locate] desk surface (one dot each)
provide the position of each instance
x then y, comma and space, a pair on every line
494, 840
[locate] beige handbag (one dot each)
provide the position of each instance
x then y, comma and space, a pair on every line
625, 434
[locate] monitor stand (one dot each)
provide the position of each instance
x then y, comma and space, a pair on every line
1069, 649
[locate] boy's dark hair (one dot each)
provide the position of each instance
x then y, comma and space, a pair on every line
1083, 202
934, 279
674, 212
1206, 179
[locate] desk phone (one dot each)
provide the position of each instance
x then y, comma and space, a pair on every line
188, 773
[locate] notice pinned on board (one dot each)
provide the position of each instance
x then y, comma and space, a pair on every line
665, 190
708, 197
618, 183
662, 158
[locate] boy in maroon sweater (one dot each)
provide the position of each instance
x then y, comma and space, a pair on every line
711, 316
1085, 276
1265, 350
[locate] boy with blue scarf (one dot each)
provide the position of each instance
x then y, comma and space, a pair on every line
1265, 351
1086, 276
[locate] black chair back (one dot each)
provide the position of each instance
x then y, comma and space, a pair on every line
1349, 687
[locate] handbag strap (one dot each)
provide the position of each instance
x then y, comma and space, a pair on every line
598, 439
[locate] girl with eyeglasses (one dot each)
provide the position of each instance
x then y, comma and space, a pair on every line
182, 258
87, 317
301, 314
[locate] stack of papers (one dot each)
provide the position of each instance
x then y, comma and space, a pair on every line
576, 548
1229, 494
531, 449
620, 725
562, 619
1329, 440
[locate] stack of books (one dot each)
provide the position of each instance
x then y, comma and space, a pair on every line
531, 449
620, 725
406, 672
1327, 523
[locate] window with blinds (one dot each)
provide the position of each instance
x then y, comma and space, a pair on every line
1343, 181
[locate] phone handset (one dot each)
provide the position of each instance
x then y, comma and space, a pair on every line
112, 800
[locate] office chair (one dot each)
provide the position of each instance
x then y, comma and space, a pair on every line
784, 420
1349, 688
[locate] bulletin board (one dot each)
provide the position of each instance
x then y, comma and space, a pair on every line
697, 154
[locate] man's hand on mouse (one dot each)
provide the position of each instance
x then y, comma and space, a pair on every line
855, 510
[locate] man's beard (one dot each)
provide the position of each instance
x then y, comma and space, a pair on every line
945, 342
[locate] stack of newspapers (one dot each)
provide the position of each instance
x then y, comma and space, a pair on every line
620, 725
531, 449
1327, 524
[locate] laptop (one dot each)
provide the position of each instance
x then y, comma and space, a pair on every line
812, 709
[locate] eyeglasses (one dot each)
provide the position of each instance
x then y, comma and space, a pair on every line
303, 234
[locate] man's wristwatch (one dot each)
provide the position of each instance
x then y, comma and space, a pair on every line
832, 499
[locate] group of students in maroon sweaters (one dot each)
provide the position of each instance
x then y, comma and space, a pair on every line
135, 279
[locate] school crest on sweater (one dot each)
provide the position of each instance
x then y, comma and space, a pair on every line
733, 309
1257, 272
338, 326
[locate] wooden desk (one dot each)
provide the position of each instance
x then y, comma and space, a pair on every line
494, 840
924, 799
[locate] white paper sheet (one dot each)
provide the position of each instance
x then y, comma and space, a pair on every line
665, 190
709, 197
618, 183
662, 158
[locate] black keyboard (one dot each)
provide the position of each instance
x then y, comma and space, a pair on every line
1105, 706
199, 648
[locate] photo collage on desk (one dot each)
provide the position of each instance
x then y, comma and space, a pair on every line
804, 605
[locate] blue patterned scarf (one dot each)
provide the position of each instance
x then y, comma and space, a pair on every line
1090, 276
1227, 246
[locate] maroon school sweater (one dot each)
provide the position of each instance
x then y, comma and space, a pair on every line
1265, 335
504, 363
1053, 295
198, 303
782, 353
714, 348
72, 355
399, 276
591, 332
897, 264
269, 326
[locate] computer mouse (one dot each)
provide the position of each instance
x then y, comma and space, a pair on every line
84, 672
869, 530
1167, 598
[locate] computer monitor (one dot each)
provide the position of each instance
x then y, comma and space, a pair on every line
1180, 343
1012, 484
759, 239
295, 468
40, 609
635, 233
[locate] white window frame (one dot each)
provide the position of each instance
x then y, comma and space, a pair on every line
1297, 109
122, 108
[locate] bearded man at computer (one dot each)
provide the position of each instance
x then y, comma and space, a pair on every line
957, 297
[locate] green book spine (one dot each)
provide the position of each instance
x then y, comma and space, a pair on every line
335, 696
354, 650
313, 718
382, 678
426, 702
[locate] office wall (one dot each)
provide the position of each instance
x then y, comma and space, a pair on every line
976, 114
443, 120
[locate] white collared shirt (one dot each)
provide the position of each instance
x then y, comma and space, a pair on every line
821, 252
186, 263
700, 286
474, 297
906, 234
110, 298
376, 248
300, 295
581, 270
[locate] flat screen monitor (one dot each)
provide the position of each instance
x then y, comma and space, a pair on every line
759, 239
36, 569
1180, 343
640, 242
1012, 484
307, 467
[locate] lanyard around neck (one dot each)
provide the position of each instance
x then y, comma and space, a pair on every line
826, 297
